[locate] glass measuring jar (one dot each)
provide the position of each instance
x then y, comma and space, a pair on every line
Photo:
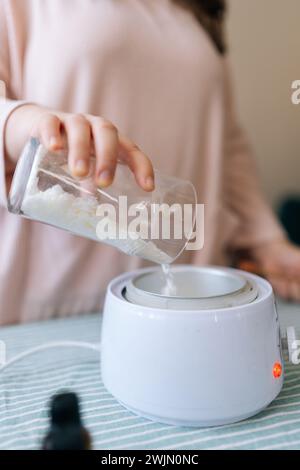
155, 226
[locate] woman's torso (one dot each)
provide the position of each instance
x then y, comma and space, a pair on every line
151, 69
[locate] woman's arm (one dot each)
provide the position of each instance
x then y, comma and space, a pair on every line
6, 106
242, 189
259, 231
83, 134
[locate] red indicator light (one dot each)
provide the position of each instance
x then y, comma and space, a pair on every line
277, 370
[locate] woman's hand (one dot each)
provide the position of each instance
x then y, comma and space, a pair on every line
84, 135
279, 262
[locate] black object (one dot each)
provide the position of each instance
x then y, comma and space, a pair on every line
66, 429
289, 213
214, 8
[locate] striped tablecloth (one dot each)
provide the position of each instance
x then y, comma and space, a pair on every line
25, 389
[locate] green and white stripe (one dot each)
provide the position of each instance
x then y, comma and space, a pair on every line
25, 389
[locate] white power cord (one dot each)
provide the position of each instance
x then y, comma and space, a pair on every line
52, 344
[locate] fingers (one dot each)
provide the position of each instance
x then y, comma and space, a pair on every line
280, 287
49, 131
286, 289
294, 289
79, 143
106, 143
86, 132
138, 162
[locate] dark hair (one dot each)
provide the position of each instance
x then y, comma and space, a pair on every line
211, 15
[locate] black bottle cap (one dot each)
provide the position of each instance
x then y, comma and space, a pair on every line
65, 409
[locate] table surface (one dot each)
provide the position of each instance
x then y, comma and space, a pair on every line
26, 386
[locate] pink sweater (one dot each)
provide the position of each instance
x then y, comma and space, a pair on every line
149, 67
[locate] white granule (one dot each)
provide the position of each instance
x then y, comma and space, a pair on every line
77, 215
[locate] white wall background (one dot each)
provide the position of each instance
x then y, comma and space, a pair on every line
264, 40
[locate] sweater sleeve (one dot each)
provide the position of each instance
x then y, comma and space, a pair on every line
6, 168
242, 190
7, 102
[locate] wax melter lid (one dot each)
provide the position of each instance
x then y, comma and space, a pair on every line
196, 288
